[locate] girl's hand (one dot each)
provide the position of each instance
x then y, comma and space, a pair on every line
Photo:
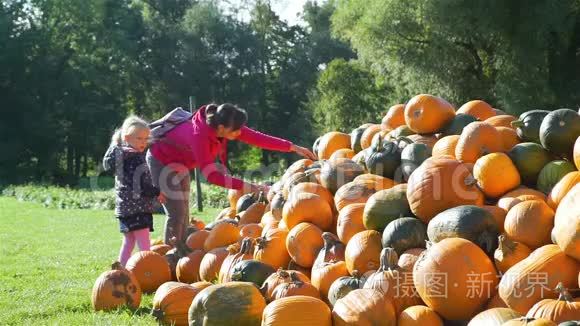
161, 198
305, 152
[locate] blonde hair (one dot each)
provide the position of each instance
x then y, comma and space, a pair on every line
130, 124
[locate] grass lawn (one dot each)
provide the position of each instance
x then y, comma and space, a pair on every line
50, 260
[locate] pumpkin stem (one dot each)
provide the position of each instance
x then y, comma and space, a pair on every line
388, 259
234, 248
247, 246
506, 244
117, 266
517, 123
487, 239
294, 279
157, 313
428, 244
283, 274
470, 180
564, 294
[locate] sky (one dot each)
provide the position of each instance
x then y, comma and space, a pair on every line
287, 9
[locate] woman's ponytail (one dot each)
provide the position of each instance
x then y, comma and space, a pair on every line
228, 115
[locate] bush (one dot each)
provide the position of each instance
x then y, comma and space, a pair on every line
62, 197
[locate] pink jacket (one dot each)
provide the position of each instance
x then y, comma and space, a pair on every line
195, 144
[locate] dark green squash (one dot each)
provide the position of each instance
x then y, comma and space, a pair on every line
570, 323
343, 285
334, 174
315, 145
456, 126
355, 137
361, 157
245, 202
252, 271
553, 172
400, 131
468, 222
385, 206
529, 158
412, 156
528, 125
559, 131
405, 233
384, 160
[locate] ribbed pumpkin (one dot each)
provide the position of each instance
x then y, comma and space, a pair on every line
558, 310
439, 184
221, 235
562, 188
445, 146
343, 285
363, 252
162, 249
150, 269
251, 230
394, 282
528, 125
577, 153
353, 193
187, 269
459, 260
234, 303
530, 223
271, 248
171, 303
494, 317
566, 232
295, 287
331, 142
404, 233
394, 118
116, 288
477, 140
338, 172
385, 206
535, 277
253, 214
559, 131
426, 114
333, 250
307, 207
498, 214
419, 315
496, 174
313, 188
342, 153
364, 307
478, 109
509, 253
504, 120
350, 222
408, 258
522, 193
552, 173
211, 263
509, 138
379, 181
427, 140
303, 243
297, 310
197, 239
281, 276
529, 159
324, 275
236, 253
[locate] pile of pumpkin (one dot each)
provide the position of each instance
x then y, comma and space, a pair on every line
433, 216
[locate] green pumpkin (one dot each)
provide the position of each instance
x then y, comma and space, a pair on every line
405, 233
456, 126
529, 158
385, 206
355, 137
570, 323
233, 303
384, 159
342, 286
400, 131
336, 173
412, 156
252, 271
528, 125
245, 202
468, 222
559, 131
552, 173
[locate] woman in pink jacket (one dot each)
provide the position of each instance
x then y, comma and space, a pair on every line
196, 144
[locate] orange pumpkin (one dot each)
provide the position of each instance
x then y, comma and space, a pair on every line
353, 193
187, 269
427, 114
252, 230
477, 140
509, 138
495, 302
228, 212
303, 243
304, 270
419, 315
197, 239
211, 264
560, 310
477, 108
150, 269
324, 275
496, 174
518, 195
562, 188
115, 288
364, 307
297, 310
200, 285
281, 276
312, 188
503, 120
439, 184
350, 221
236, 254
342, 153
307, 207
394, 118
234, 195
499, 215
494, 317
222, 235
253, 214
171, 303
295, 287
331, 142
566, 232
509, 253
577, 153
461, 262
408, 258
368, 135
363, 252
445, 146
530, 222
535, 277
271, 248
429, 140
379, 181
298, 166
161, 249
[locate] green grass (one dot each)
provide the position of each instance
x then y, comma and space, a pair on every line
50, 260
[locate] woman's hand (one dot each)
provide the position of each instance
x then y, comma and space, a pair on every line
259, 188
305, 152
